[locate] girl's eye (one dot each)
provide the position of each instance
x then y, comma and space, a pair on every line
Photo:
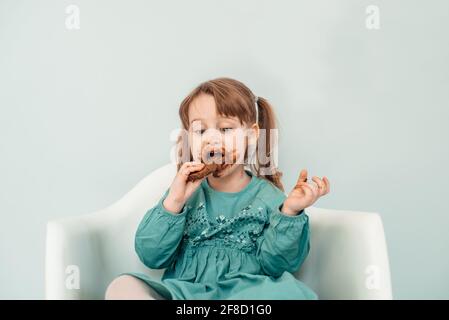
225, 130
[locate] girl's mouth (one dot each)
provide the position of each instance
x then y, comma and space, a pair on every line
214, 156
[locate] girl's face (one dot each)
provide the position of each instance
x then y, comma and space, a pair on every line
211, 132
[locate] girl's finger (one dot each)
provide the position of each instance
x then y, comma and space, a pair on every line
314, 188
302, 176
321, 185
184, 165
327, 184
190, 163
193, 168
196, 183
186, 169
308, 191
197, 165
299, 184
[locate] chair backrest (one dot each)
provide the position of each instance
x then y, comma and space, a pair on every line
348, 257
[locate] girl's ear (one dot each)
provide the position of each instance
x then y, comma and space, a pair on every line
253, 134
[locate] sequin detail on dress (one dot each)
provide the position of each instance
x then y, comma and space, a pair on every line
240, 231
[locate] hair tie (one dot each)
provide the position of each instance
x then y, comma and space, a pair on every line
257, 108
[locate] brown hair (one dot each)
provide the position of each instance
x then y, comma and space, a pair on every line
233, 98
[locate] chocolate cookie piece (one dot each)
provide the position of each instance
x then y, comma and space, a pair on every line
215, 164
207, 169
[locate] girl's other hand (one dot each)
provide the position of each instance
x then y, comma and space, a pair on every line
181, 189
304, 195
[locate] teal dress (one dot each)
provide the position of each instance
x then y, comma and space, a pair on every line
226, 245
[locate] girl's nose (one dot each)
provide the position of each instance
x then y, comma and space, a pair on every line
212, 137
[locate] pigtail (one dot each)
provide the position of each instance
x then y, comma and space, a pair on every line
267, 121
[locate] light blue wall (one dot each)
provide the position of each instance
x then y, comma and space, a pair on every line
85, 114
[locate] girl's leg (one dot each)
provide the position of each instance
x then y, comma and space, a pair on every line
127, 287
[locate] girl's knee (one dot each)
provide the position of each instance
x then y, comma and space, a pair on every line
119, 287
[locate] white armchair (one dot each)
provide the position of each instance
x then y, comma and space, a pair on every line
348, 257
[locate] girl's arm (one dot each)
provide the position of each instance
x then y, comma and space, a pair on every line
285, 243
159, 234
161, 229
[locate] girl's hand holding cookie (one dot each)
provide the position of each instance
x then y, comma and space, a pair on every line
181, 189
304, 194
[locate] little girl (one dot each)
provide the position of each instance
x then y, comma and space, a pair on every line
233, 234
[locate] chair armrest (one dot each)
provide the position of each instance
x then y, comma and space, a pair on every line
99, 245
348, 257
73, 259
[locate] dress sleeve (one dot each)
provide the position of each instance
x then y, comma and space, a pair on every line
159, 234
285, 242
